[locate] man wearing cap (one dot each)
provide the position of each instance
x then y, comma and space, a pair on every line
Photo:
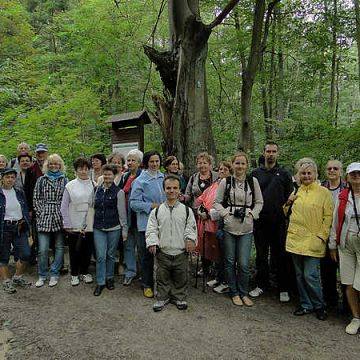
14, 227
32, 174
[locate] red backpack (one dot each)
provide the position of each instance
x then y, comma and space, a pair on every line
343, 198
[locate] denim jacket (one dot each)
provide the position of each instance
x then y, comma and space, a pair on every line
24, 208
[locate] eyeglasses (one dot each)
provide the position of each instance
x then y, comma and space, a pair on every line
355, 173
332, 168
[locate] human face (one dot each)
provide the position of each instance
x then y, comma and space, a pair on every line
154, 163
54, 165
8, 180
96, 164
82, 172
2, 163
271, 154
203, 166
173, 167
223, 172
117, 161
333, 171
23, 148
24, 163
41, 155
132, 163
240, 165
354, 178
108, 177
307, 176
172, 190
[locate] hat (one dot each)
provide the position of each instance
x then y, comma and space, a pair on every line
41, 147
8, 171
355, 166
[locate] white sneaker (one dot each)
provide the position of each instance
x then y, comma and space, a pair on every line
75, 281
256, 292
87, 278
353, 327
284, 297
53, 281
40, 283
212, 283
221, 289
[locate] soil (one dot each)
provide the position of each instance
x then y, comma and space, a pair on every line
67, 322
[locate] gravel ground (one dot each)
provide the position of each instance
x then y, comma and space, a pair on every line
70, 323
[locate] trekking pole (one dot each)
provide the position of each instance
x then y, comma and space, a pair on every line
203, 260
196, 270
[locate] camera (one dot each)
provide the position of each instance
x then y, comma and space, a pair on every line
239, 214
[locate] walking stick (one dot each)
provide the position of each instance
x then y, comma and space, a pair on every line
203, 259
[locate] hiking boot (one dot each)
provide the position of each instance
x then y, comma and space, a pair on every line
353, 327
256, 292
321, 314
148, 293
53, 281
236, 300
247, 301
284, 297
221, 289
160, 304
110, 284
40, 283
20, 281
98, 290
8, 287
75, 281
87, 278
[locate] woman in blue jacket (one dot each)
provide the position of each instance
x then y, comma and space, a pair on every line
147, 193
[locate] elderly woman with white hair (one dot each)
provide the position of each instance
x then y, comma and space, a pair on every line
48, 193
310, 217
133, 160
3, 163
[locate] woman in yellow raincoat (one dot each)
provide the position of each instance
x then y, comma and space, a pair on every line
310, 217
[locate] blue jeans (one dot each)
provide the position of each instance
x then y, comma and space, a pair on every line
129, 253
106, 243
237, 251
44, 240
146, 261
307, 270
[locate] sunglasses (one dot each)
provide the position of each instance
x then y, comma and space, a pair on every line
354, 173
332, 168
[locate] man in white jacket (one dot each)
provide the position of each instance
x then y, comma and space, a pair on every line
171, 233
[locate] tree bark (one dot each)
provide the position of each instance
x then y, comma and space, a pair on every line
333, 61
357, 18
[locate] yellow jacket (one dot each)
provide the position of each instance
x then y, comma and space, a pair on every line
310, 221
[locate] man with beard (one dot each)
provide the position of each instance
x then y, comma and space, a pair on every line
270, 230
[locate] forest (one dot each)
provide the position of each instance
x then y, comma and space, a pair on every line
281, 70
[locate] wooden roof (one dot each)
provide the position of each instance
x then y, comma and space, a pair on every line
129, 119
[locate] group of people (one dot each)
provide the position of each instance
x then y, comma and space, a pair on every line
303, 229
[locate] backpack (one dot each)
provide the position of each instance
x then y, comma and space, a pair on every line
187, 209
249, 180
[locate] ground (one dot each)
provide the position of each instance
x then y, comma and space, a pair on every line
70, 323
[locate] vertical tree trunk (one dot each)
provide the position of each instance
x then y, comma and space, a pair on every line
333, 60
357, 36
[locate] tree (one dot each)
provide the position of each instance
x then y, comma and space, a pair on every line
184, 107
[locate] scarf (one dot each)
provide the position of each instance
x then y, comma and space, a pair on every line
54, 175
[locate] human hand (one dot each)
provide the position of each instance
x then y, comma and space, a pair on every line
189, 246
334, 255
291, 199
152, 249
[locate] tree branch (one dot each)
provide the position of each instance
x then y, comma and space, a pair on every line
223, 14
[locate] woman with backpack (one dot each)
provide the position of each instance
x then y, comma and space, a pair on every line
238, 201
344, 242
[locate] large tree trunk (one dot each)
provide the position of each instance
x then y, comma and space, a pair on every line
182, 71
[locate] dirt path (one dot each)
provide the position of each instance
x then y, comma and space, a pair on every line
70, 323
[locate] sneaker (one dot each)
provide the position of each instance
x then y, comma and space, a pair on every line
148, 293
75, 281
256, 292
160, 304
300, 311
40, 282
321, 314
212, 283
236, 300
284, 297
8, 287
127, 281
53, 281
110, 284
221, 289
247, 301
87, 278
353, 327
20, 281
181, 305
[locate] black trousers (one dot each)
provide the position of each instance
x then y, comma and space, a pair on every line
80, 248
270, 236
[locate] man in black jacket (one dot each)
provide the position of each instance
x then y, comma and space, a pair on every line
270, 230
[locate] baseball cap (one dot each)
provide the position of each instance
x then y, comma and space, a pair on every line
355, 166
41, 147
8, 171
